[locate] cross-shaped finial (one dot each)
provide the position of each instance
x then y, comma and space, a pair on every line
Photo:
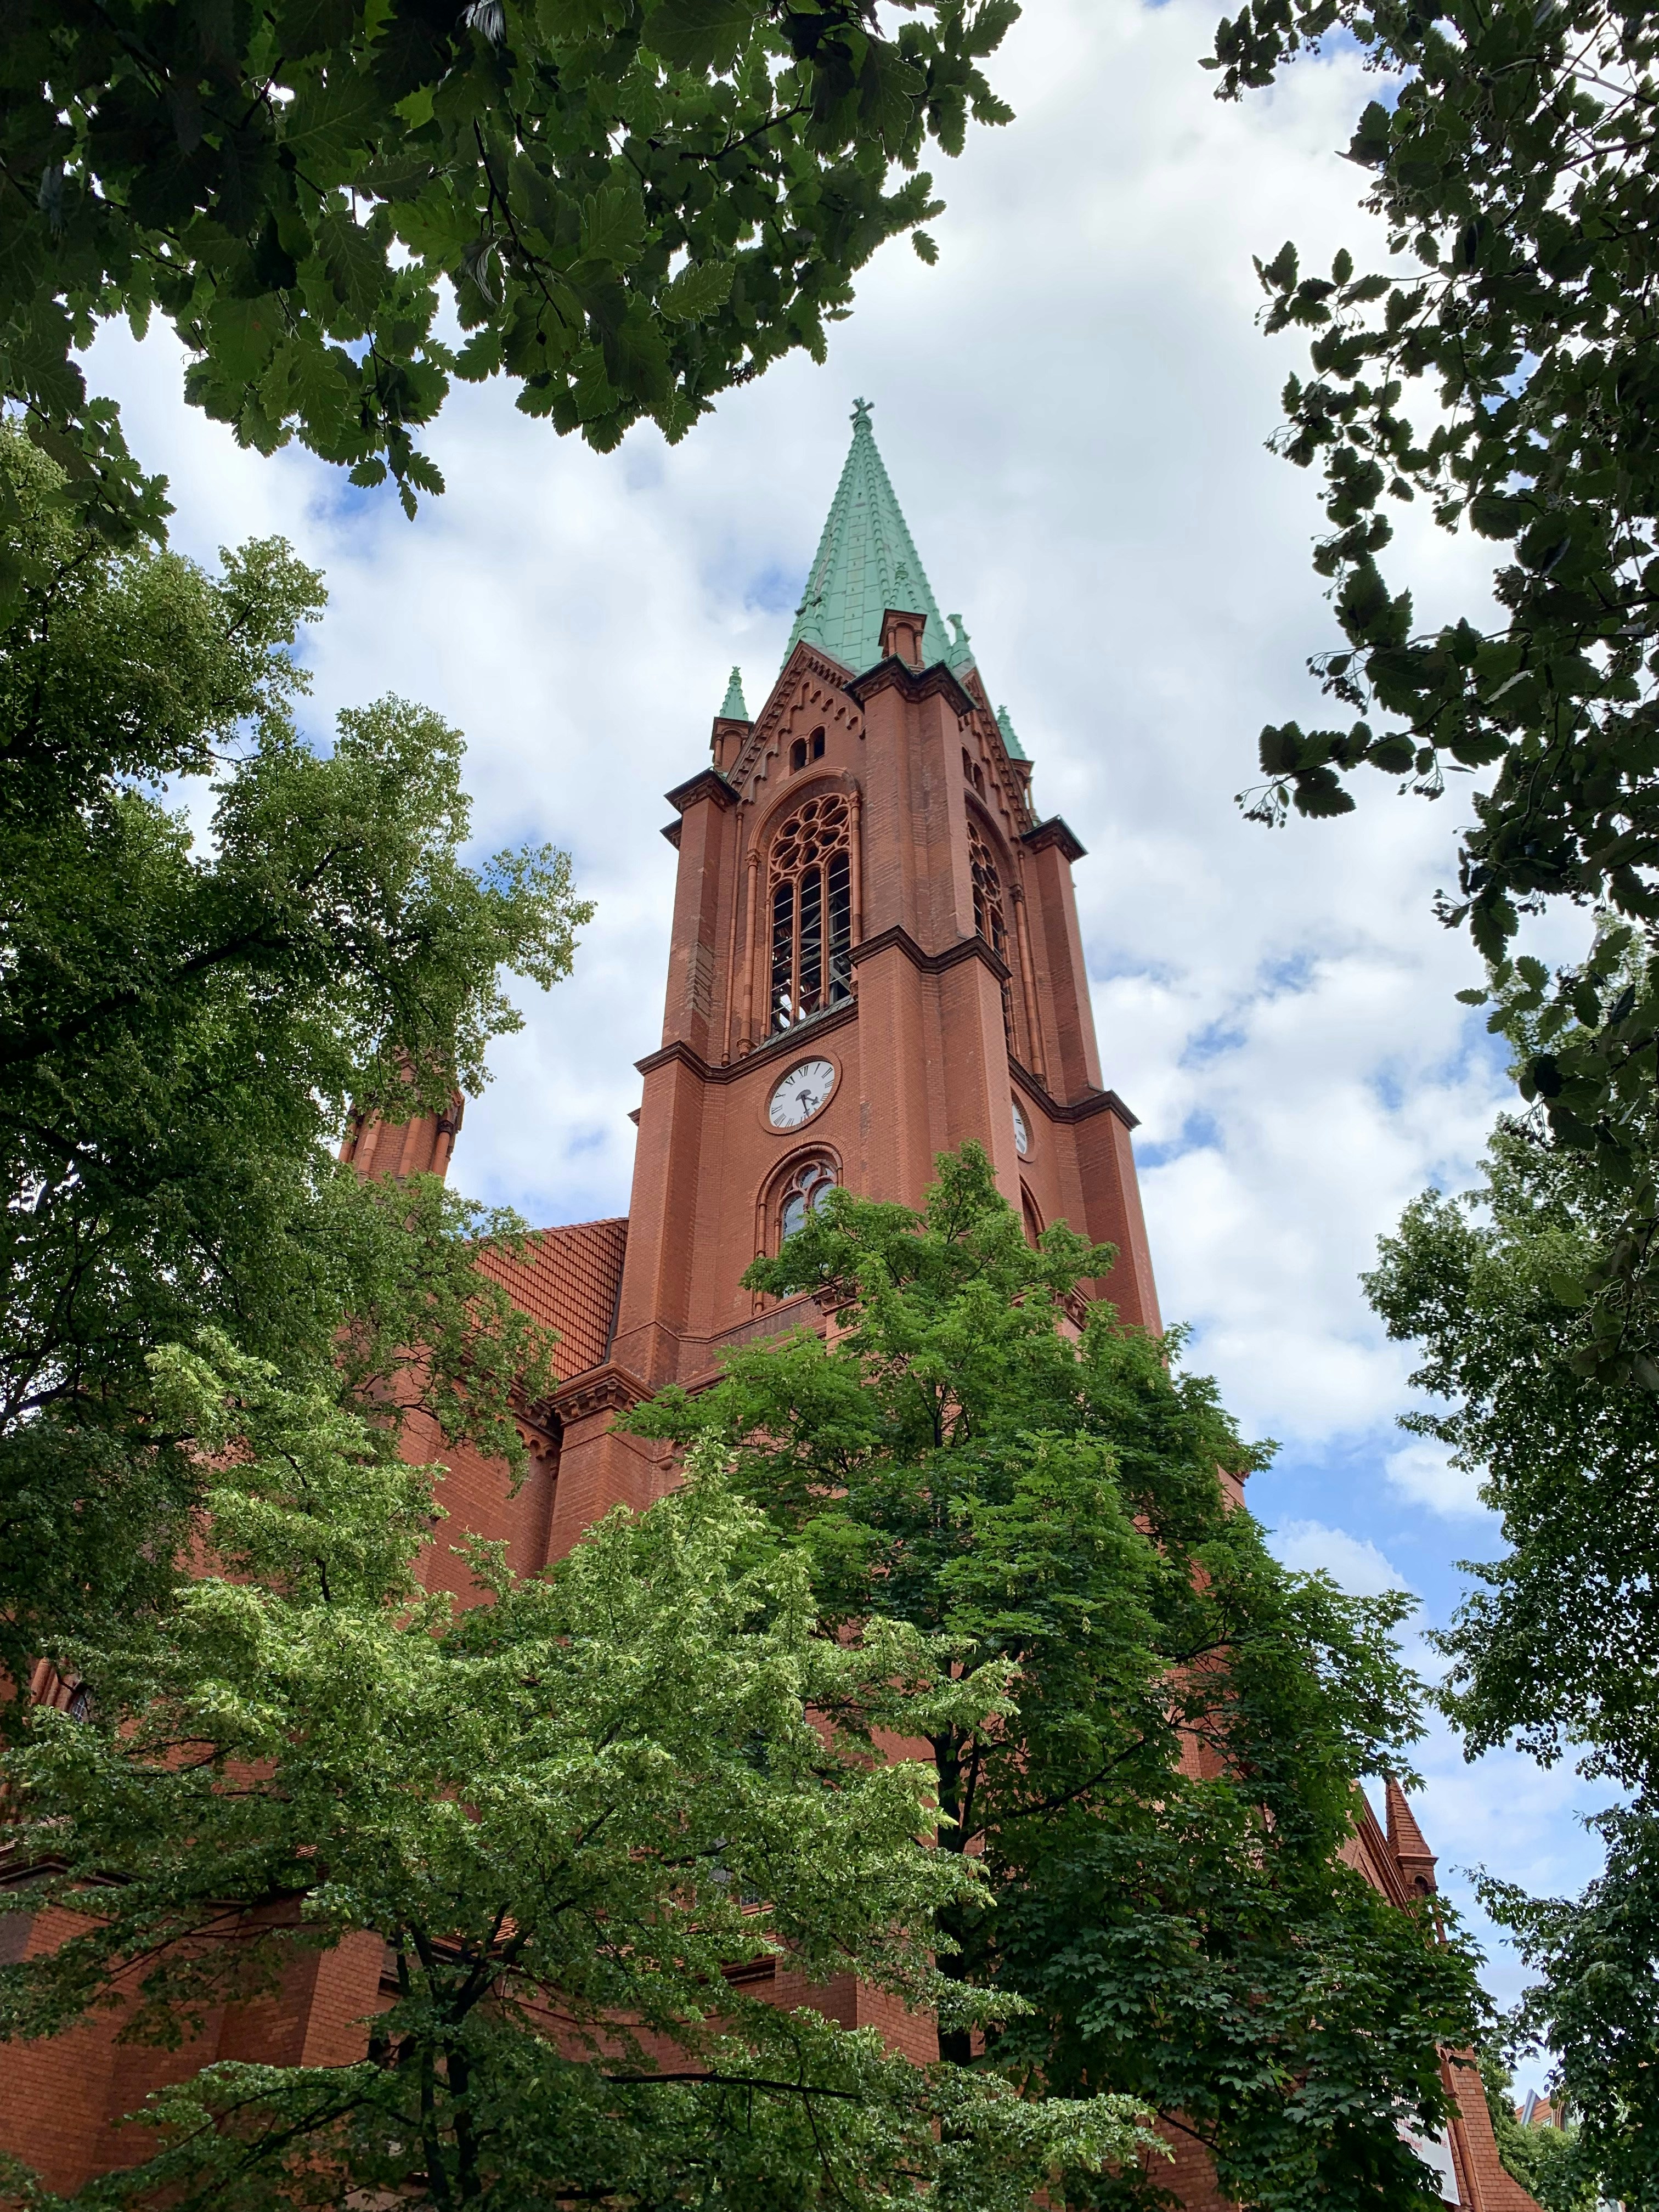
861, 410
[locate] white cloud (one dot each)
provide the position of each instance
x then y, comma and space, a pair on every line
1355, 1565
1422, 1472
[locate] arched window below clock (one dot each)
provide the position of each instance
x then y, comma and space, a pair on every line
1032, 1218
805, 1190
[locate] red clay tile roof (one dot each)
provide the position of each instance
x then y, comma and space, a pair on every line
568, 1280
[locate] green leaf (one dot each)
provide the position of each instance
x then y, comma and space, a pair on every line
613, 226
303, 28
331, 120
700, 34
697, 291
356, 262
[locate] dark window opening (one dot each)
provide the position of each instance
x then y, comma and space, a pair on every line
818, 744
797, 755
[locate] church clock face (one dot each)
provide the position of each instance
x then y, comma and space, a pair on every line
801, 1093
1022, 1134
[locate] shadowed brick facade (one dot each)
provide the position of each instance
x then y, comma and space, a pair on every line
863, 885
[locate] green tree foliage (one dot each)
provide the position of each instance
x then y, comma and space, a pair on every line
1501, 366
1160, 1820
184, 1026
1553, 1647
567, 1815
630, 207
1547, 2161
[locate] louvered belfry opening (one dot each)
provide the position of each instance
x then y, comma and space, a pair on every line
811, 906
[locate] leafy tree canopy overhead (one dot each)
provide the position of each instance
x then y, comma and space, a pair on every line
576, 1820
1501, 364
631, 204
182, 1031
1161, 1818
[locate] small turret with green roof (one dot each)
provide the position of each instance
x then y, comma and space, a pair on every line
734, 710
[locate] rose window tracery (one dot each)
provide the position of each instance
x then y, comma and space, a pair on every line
810, 896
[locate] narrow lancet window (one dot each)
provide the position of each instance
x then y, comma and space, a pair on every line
783, 955
840, 873
810, 992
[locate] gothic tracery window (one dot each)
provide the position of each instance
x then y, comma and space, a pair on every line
811, 908
988, 919
988, 893
811, 1182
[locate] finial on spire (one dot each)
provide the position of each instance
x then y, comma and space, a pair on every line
1012, 745
734, 710
860, 417
959, 653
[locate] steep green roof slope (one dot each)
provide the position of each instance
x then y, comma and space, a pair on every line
866, 562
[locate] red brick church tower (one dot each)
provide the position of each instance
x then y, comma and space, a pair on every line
875, 957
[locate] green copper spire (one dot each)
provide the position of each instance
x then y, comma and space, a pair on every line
867, 562
1011, 742
734, 709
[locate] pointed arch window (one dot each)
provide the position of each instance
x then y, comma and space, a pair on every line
988, 893
805, 1190
989, 916
811, 906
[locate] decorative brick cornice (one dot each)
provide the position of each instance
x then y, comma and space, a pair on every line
1054, 831
932, 964
805, 660
607, 1389
773, 1047
934, 683
707, 783
1079, 1110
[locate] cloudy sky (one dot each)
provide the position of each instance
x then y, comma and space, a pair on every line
1072, 408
